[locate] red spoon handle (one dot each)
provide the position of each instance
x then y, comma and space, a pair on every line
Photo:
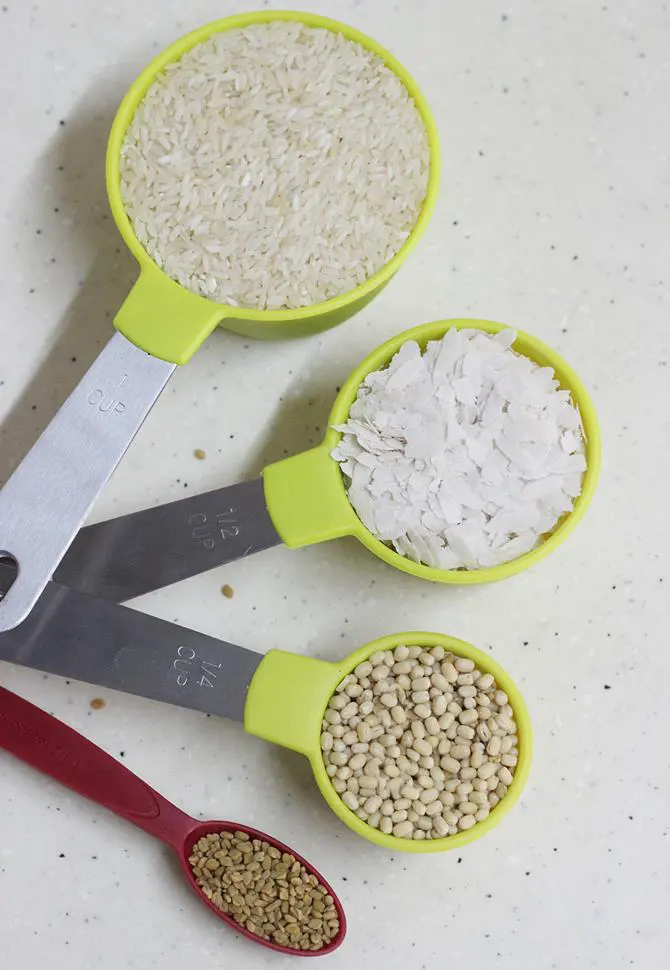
56, 749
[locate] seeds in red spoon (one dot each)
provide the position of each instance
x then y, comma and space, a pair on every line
265, 890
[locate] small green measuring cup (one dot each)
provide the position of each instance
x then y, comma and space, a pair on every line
289, 694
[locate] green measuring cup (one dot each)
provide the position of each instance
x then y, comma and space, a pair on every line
168, 321
307, 499
289, 693
163, 325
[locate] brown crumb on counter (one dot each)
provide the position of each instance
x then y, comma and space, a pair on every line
97, 703
199, 454
228, 591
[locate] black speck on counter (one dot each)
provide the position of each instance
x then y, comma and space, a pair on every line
575, 258
62, 122
61, 855
607, 687
122, 754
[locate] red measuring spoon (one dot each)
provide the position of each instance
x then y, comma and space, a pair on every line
52, 747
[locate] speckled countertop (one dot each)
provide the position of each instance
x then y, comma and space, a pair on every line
553, 217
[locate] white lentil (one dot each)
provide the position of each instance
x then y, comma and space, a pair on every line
408, 739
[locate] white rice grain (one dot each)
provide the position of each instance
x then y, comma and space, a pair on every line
274, 166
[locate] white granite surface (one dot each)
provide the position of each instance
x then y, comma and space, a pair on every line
554, 217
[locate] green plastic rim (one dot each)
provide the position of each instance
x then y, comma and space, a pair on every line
485, 663
524, 344
209, 312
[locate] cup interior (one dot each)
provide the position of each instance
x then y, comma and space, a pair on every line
360, 294
530, 347
485, 663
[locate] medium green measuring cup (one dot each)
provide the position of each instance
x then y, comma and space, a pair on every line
307, 499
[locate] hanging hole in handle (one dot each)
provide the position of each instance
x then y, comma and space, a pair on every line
9, 570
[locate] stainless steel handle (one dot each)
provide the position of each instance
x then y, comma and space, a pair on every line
84, 638
147, 550
49, 495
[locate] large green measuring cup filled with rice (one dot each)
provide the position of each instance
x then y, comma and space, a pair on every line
162, 323
170, 321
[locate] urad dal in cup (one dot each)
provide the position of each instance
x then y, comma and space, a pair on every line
290, 698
